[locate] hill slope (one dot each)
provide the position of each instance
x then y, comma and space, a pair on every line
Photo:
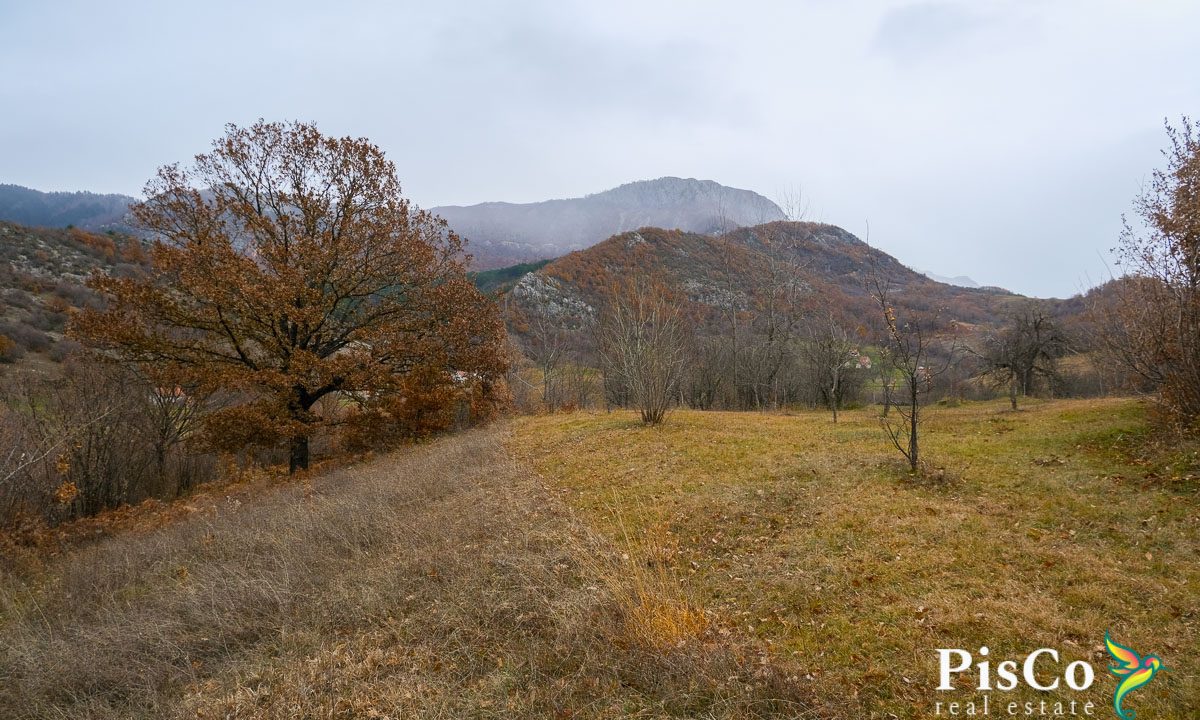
506, 233
87, 210
43, 273
440, 582
717, 272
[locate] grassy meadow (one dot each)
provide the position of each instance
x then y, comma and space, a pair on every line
581, 565
1042, 527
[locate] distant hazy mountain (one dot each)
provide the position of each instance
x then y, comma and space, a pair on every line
505, 233
959, 280
58, 209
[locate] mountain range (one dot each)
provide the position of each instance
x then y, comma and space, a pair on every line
499, 234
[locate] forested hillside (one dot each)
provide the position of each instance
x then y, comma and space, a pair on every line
88, 210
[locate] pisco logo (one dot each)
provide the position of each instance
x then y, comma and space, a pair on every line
1043, 671
1132, 670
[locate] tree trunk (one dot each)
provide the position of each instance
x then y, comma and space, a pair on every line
298, 457
913, 449
1012, 391
833, 396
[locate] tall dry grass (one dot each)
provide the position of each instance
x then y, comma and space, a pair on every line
444, 581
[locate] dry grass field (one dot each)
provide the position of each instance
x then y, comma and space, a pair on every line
1048, 526
438, 582
725, 565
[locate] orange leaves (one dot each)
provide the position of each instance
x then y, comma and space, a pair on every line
66, 493
300, 273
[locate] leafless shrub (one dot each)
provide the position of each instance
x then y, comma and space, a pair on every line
89, 437
30, 338
643, 344
909, 350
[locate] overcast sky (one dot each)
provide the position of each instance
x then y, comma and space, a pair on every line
1000, 139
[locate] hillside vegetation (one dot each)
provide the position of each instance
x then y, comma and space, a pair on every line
501, 280
719, 272
43, 275
93, 211
1045, 530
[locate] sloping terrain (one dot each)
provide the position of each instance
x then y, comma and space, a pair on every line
43, 274
87, 210
719, 272
501, 280
503, 234
441, 582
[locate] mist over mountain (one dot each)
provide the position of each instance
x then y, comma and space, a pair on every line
87, 210
959, 280
505, 233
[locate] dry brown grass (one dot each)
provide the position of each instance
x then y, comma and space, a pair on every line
1038, 528
440, 582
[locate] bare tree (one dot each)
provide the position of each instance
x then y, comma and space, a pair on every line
168, 415
547, 340
732, 307
831, 355
910, 343
776, 315
1025, 349
709, 366
643, 341
793, 203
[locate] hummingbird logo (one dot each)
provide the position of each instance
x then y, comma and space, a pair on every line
1132, 671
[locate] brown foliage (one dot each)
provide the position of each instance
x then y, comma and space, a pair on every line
428, 401
91, 436
1151, 324
9, 350
290, 268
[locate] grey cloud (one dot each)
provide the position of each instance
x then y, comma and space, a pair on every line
916, 32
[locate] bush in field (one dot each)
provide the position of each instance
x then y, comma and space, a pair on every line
10, 351
643, 347
27, 337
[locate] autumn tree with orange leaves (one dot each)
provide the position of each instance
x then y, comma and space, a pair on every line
289, 268
1149, 319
